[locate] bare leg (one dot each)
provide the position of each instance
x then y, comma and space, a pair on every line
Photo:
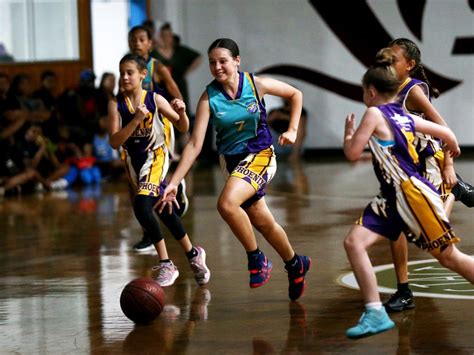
399, 250
356, 245
235, 192
448, 204
185, 243
161, 250
263, 220
22, 178
455, 260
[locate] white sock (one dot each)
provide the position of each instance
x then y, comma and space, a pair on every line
374, 305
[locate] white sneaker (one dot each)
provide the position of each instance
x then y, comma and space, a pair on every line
167, 273
59, 184
202, 274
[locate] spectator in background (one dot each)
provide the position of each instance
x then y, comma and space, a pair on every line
19, 97
47, 93
78, 108
180, 59
107, 158
105, 92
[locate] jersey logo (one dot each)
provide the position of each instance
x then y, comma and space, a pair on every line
220, 114
252, 107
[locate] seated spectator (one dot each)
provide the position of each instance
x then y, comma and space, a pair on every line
13, 173
39, 154
19, 98
108, 159
105, 93
78, 108
47, 93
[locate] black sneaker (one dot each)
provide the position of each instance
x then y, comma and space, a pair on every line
399, 302
182, 199
143, 245
463, 192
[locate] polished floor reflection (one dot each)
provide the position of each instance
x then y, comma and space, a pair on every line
66, 256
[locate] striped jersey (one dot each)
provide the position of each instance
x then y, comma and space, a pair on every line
149, 135
425, 144
240, 123
397, 160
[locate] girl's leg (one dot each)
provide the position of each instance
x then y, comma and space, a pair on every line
143, 207
399, 250
374, 320
196, 255
455, 260
161, 250
262, 219
448, 204
296, 265
403, 298
22, 178
236, 192
356, 245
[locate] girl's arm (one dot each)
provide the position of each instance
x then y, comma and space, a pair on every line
288, 93
117, 135
165, 76
438, 131
190, 152
417, 101
355, 140
174, 111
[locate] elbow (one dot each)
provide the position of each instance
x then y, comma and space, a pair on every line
114, 144
351, 155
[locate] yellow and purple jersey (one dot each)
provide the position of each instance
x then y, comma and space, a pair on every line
429, 148
407, 200
149, 135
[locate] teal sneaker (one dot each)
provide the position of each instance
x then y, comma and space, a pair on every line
373, 321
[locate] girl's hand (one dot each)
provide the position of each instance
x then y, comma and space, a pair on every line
141, 112
169, 198
452, 149
178, 105
449, 176
288, 137
349, 128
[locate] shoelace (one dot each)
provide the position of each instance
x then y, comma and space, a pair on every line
163, 269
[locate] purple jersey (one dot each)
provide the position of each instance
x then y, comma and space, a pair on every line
407, 199
149, 135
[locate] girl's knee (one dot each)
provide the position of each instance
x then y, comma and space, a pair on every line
351, 243
225, 206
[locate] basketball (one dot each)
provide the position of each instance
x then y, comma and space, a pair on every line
142, 300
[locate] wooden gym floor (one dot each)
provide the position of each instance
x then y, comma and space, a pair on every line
66, 256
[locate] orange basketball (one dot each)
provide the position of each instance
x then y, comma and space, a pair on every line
142, 300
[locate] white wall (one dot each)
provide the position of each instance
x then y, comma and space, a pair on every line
109, 35
273, 32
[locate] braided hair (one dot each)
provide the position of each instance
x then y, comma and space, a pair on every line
412, 52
